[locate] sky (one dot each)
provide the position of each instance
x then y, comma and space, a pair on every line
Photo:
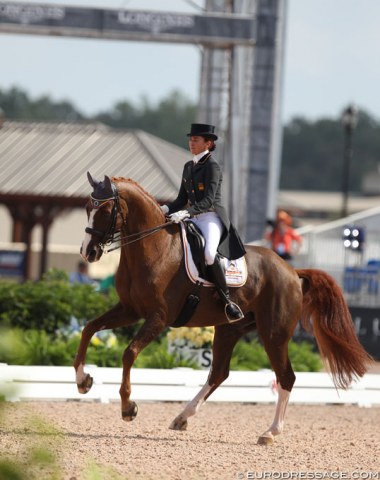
331, 60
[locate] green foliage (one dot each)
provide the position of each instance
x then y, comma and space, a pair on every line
104, 356
303, 358
169, 119
11, 470
252, 356
38, 460
51, 303
32, 347
18, 106
36, 316
156, 355
249, 356
35, 305
312, 156
94, 471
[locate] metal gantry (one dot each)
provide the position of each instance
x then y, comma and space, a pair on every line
242, 44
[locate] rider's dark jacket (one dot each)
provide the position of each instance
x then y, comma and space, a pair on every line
200, 192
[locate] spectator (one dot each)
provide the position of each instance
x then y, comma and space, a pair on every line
106, 283
81, 275
283, 239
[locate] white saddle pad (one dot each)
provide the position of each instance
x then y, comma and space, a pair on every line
236, 270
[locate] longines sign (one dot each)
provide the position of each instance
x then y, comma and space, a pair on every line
154, 22
30, 13
43, 19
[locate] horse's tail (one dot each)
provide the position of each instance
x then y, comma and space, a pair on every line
325, 314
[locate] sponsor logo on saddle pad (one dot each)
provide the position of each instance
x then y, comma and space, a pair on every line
235, 270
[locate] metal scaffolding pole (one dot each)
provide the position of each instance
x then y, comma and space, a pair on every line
265, 119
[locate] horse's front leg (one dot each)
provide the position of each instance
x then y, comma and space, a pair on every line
113, 318
225, 339
148, 332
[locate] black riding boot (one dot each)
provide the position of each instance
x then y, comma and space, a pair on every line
233, 312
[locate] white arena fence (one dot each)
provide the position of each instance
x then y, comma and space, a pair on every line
27, 383
357, 272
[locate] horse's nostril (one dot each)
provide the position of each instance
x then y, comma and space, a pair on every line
92, 256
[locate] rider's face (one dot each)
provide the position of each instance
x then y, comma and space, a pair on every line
198, 144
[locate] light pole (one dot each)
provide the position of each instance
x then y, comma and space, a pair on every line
349, 121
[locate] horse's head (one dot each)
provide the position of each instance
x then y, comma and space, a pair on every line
104, 218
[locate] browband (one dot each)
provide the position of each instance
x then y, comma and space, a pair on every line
97, 203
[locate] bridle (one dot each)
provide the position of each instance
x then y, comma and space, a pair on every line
111, 236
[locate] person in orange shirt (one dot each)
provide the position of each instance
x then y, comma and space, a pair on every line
283, 239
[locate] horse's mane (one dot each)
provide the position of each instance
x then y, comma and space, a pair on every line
139, 187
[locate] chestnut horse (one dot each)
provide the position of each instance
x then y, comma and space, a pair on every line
152, 284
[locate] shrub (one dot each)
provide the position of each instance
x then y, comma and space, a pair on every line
303, 358
249, 356
156, 355
50, 303
33, 347
252, 356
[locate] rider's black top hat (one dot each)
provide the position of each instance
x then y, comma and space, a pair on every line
202, 130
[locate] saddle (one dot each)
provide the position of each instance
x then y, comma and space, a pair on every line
193, 246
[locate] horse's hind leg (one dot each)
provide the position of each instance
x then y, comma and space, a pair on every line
225, 339
278, 355
115, 317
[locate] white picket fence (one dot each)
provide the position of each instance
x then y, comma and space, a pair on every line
19, 383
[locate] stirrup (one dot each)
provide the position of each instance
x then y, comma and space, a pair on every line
239, 312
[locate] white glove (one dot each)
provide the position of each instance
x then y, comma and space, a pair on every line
176, 217
164, 209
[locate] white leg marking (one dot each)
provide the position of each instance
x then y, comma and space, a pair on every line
195, 404
80, 375
282, 402
87, 237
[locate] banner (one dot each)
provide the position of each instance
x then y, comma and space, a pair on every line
367, 326
11, 263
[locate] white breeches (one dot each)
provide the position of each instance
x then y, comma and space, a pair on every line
211, 227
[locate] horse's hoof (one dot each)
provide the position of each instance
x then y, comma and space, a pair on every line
86, 385
129, 415
178, 424
266, 439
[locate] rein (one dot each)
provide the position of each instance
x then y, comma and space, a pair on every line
135, 237
110, 237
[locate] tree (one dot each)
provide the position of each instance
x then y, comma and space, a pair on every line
168, 120
17, 105
312, 157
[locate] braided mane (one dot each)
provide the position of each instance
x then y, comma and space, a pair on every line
140, 188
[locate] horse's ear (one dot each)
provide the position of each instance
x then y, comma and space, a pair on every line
108, 185
92, 181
